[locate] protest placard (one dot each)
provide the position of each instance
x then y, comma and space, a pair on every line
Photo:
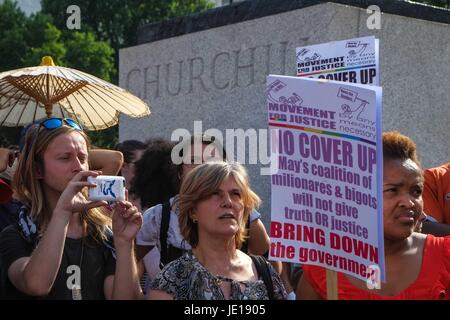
354, 60
326, 207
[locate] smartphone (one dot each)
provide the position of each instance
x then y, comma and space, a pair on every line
108, 188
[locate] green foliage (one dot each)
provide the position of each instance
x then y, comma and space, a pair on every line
25, 40
12, 36
107, 138
89, 55
436, 3
116, 21
51, 45
106, 18
78, 50
35, 24
106, 26
145, 12
12, 48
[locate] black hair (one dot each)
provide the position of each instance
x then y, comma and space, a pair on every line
128, 147
206, 140
156, 179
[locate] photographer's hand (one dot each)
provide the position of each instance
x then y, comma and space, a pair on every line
72, 200
126, 221
35, 275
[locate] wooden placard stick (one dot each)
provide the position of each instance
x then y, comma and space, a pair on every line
332, 285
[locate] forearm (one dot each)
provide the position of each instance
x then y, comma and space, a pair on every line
141, 251
305, 291
107, 161
259, 241
277, 265
126, 278
286, 276
42, 268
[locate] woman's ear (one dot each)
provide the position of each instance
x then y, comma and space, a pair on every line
193, 216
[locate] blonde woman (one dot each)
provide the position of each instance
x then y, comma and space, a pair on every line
169, 242
215, 201
62, 246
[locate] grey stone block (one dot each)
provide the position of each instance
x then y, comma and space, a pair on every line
218, 75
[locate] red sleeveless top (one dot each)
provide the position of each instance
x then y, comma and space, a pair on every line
433, 281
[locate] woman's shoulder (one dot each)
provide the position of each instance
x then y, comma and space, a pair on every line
152, 217
244, 256
155, 210
11, 232
441, 170
15, 234
174, 277
254, 215
316, 277
437, 245
182, 266
435, 274
438, 249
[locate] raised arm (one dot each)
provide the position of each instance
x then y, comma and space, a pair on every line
433, 195
36, 274
108, 162
259, 242
126, 223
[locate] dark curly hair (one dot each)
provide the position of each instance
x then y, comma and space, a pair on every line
128, 147
156, 179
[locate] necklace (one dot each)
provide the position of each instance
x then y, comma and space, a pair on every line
218, 279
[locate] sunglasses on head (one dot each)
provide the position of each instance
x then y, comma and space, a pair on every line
54, 123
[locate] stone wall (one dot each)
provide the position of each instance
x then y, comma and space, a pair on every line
217, 74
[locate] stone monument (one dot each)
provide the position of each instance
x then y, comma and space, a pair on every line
212, 67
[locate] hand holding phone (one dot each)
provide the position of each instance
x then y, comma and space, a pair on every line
108, 188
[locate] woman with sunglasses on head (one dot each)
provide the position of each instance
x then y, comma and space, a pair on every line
62, 246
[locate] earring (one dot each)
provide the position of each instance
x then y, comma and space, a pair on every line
194, 220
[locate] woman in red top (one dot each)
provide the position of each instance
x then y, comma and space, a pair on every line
417, 265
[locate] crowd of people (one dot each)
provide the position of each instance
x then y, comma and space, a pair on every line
190, 231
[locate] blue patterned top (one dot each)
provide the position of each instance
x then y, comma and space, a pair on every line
187, 279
